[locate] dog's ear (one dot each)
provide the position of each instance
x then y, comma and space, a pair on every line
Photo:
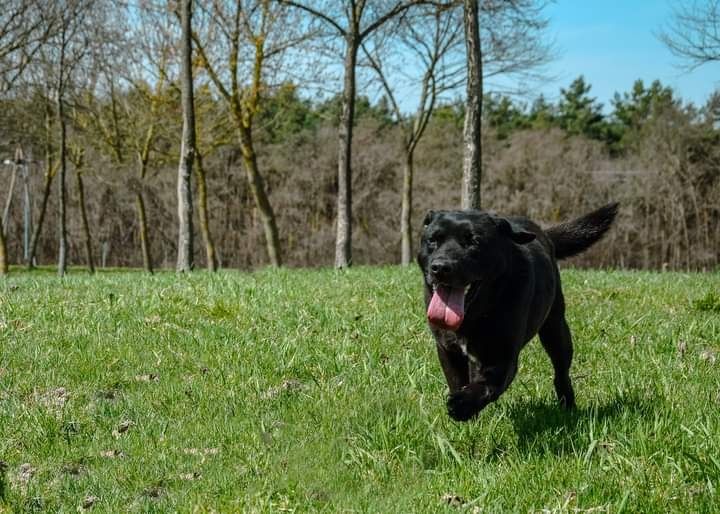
520, 237
429, 217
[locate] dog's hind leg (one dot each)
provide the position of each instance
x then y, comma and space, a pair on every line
557, 341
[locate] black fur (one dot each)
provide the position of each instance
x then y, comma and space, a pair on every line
578, 235
514, 293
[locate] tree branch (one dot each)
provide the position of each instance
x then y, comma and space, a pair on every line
317, 14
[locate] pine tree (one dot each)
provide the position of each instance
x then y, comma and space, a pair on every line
579, 113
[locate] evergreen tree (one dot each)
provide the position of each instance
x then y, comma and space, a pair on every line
634, 109
501, 113
579, 113
542, 114
285, 114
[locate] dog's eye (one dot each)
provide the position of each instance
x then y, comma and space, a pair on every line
431, 244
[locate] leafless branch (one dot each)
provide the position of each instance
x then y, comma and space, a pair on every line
694, 34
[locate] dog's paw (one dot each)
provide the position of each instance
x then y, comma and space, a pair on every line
463, 405
567, 402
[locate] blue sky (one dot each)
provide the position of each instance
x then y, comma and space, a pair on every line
613, 43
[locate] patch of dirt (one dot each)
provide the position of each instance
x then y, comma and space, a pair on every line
23, 476
52, 399
153, 319
151, 377
88, 502
290, 385
452, 499
108, 394
154, 491
709, 356
122, 428
682, 347
74, 469
203, 453
112, 454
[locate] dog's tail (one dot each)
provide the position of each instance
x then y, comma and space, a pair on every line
578, 235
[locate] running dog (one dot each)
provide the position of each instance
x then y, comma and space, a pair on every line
491, 284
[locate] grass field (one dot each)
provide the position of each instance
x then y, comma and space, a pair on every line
320, 391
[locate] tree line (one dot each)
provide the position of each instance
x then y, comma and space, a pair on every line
100, 91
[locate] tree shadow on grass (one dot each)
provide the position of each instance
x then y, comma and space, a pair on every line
544, 427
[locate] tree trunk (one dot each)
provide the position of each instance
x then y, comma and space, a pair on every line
49, 175
62, 190
257, 188
203, 213
8, 201
27, 212
3, 255
472, 162
144, 241
85, 224
406, 211
187, 148
143, 158
343, 241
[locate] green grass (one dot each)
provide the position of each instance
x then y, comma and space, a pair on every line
321, 391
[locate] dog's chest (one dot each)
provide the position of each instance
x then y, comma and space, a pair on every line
452, 342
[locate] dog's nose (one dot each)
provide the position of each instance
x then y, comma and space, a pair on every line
440, 267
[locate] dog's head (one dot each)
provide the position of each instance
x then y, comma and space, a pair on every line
461, 253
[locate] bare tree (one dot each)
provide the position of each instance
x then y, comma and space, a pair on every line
353, 21
509, 43
51, 168
153, 38
3, 224
151, 44
513, 48
76, 155
694, 34
16, 163
514, 43
24, 27
430, 40
59, 106
472, 160
130, 86
144, 142
55, 67
200, 178
66, 49
187, 149
237, 44
3, 254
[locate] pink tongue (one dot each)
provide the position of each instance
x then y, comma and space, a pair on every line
447, 307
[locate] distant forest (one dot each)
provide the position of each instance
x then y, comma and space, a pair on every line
658, 156
92, 109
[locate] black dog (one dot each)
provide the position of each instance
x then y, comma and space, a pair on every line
491, 284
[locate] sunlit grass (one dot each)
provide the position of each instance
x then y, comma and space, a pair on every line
321, 391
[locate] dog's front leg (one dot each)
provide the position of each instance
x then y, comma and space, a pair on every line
454, 365
487, 383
